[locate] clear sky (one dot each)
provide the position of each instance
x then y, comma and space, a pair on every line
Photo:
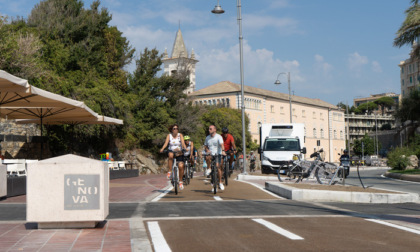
334, 50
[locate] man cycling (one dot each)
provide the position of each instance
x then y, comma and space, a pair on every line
229, 143
214, 145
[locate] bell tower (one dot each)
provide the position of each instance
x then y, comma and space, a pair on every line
180, 62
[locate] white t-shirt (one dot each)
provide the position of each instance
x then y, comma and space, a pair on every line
213, 143
174, 143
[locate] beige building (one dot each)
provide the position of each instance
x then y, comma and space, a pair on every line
323, 121
410, 73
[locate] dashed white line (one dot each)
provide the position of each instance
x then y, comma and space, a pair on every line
217, 198
395, 226
278, 229
158, 241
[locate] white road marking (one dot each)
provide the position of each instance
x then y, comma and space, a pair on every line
217, 198
278, 229
395, 226
162, 194
158, 241
262, 189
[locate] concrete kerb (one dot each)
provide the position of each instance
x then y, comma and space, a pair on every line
414, 178
273, 185
338, 196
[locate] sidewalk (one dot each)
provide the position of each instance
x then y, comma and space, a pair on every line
117, 234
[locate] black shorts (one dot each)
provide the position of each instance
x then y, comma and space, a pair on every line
179, 158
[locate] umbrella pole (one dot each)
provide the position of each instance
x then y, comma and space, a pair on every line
42, 142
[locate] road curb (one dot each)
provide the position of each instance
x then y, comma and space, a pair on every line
414, 178
254, 177
338, 196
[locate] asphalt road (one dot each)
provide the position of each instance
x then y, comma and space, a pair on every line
239, 220
374, 178
245, 217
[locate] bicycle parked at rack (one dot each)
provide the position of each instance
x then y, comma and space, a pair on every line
325, 173
175, 172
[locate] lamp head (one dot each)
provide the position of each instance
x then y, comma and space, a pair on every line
277, 82
218, 9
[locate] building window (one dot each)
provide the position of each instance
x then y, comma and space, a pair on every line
272, 108
304, 129
227, 102
322, 133
335, 134
402, 82
321, 116
303, 113
402, 69
314, 132
411, 79
341, 134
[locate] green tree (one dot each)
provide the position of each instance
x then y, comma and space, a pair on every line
409, 31
154, 101
410, 107
384, 102
362, 108
67, 49
231, 118
369, 146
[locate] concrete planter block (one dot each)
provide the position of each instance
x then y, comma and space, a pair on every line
67, 192
3, 180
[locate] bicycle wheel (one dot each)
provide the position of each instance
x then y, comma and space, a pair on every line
324, 174
175, 179
187, 174
214, 179
226, 172
279, 173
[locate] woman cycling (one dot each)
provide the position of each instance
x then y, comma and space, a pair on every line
176, 144
189, 153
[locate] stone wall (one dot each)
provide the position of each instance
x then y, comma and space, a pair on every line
21, 141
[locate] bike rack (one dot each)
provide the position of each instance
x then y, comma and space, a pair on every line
360, 178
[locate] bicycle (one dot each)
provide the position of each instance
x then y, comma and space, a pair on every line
226, 168
175, 172
329, 173
214, 172
296, 169
187, 170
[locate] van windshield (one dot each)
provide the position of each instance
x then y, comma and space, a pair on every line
290, 144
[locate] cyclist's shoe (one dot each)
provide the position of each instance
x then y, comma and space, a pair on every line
221, 186
181, 185
212, 189
208, 172
169, 175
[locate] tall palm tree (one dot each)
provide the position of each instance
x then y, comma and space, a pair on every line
410, 28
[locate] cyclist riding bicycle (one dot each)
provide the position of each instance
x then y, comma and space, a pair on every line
176, 144
214, 145
189, 149
229, 143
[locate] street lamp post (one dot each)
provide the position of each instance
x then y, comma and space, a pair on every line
218, 10
290, 96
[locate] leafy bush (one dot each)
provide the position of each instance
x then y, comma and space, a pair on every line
398, 158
